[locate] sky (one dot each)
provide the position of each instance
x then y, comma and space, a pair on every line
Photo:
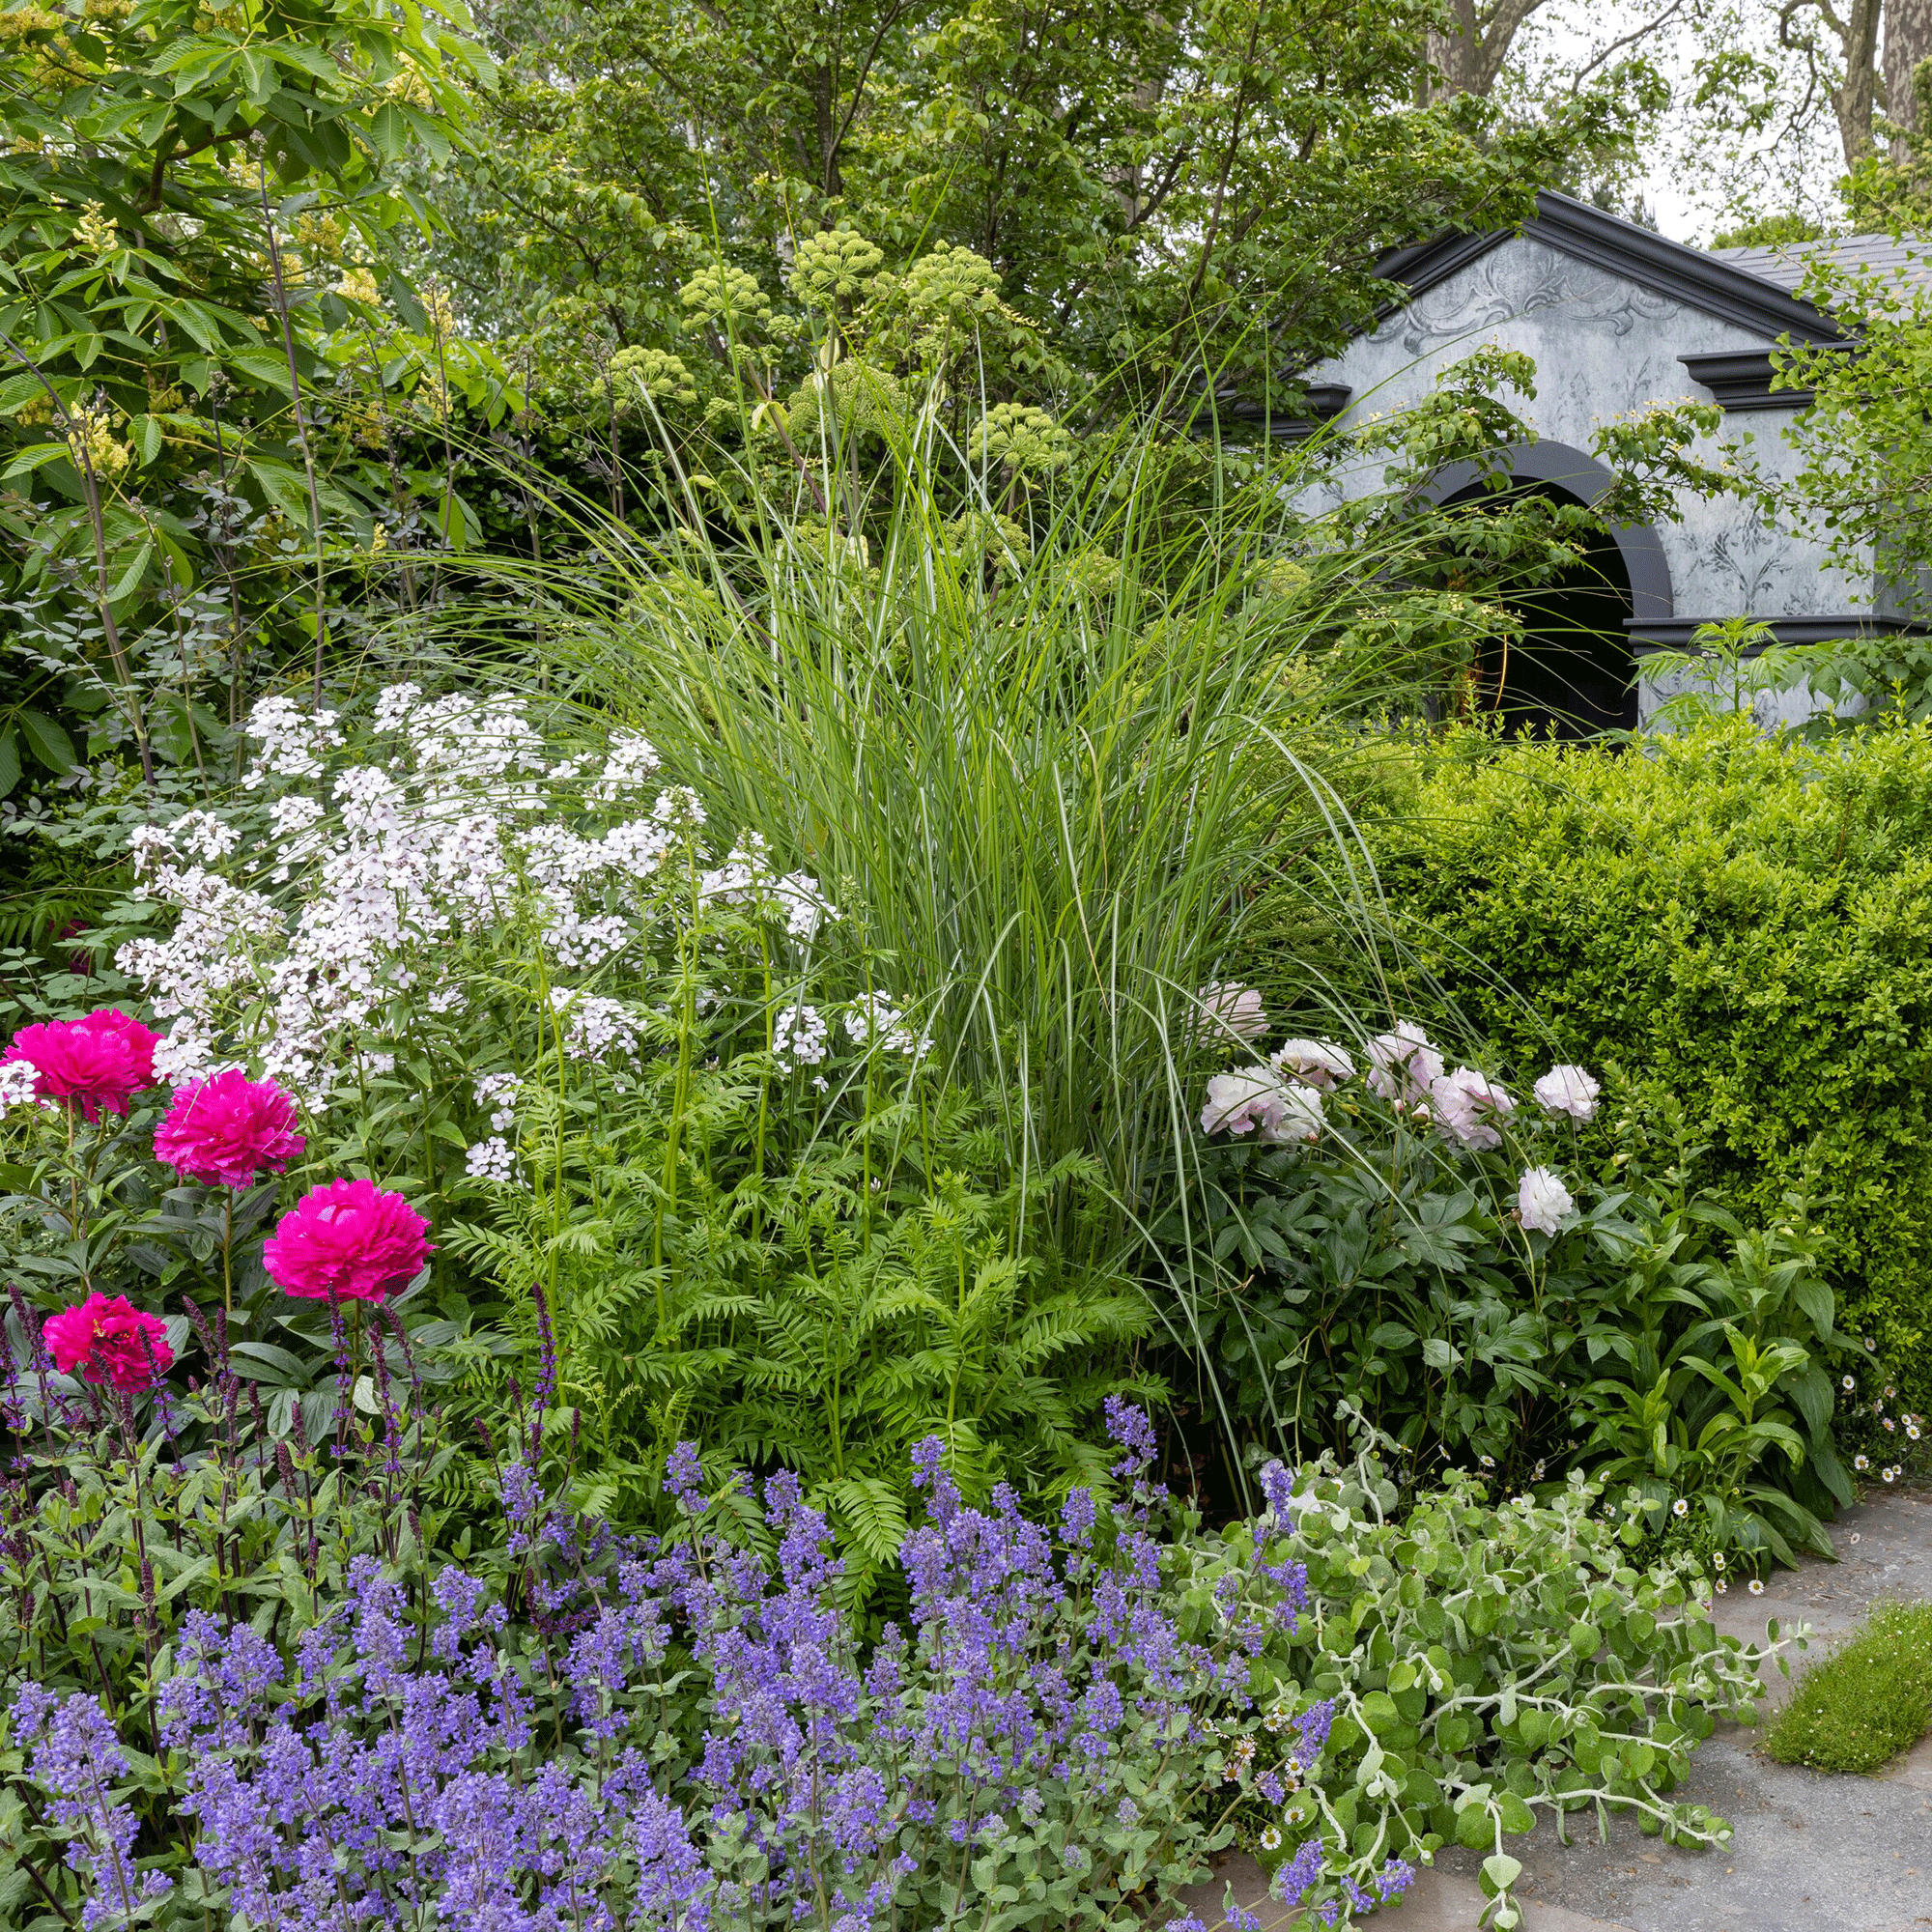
1695, 180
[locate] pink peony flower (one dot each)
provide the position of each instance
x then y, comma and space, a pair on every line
1541, 1200
1403, 1066
1256, 1100
1230, 1010
103, 1338
223, 1130
1319, 1062
350, 1240
101, 1062
1466, 1106
1566, 1089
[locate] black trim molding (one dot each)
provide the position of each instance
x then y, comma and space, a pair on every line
1325, 401
1665, 268
1674, 634
1587, 480
1741, 378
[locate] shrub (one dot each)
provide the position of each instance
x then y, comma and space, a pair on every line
1731, 922
1408, 1244
1871, 1698
685, 1733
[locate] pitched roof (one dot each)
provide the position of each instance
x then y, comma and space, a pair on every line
1700, 278
1787, 263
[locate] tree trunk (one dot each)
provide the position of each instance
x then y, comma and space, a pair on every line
1908, 40
1468, 58
1857, 97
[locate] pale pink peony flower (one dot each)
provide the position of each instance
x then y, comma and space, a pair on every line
1239, 1102
223, 1130
100, 1061
1256, 1100
1230, 1010
1466, 1106
1319, 1062
109, 1340
1302, 1115
1566, 1089
349, 1240
1403, 1066
1541, 1200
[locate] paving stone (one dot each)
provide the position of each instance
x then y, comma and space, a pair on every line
1812, 1851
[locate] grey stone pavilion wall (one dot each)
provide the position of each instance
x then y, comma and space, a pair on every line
1603, 347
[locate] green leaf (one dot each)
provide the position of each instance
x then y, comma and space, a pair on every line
48, 742
9, 760
1500, 1871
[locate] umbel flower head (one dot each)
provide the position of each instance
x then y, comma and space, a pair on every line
109, 1340
348, 1241
223, 1130
100, 1061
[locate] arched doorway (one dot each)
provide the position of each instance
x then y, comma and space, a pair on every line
1571, 674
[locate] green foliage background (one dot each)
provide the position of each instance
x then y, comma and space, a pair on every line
1734, 922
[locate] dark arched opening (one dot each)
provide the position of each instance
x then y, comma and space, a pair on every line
1571, 674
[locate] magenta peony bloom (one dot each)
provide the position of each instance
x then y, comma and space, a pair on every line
103, 1338
350, 1240
223, 1130
102, 1061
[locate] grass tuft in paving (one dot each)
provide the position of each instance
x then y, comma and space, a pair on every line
1871, 1698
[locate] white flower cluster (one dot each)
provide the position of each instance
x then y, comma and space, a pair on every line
595, 1028
1281, 1101
17, 1083
499, 1091
373, 875
493, 1159
746, 879
801, 1039
873, 1021
630, 764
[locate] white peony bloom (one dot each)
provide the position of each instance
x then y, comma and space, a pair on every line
1319, 1062
1301, 1116
1404, 1064
1231, 1010
1466, 1106
1541, 1200
1566, 1089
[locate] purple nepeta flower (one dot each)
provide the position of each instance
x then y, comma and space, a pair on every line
76, 1757
684, 1479
1294, 1879
1132, 1429
1278, 1492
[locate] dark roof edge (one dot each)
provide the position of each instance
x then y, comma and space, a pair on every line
1664, 267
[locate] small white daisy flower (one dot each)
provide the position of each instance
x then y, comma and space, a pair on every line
1680, 1507
1270, 1837
1756, 1587
1861, 1462
1849, 1382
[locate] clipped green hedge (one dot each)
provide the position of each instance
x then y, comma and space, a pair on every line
1744, 923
